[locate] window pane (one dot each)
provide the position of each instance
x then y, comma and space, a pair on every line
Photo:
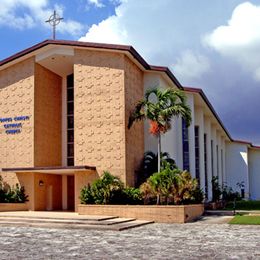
70, 81
70, 136
70, 108
70, 122
70, 151
70, 94
70, 161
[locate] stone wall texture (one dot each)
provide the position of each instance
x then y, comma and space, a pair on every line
17, 99
102, 108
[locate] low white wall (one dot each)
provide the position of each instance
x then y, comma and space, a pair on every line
237, 166
254, 173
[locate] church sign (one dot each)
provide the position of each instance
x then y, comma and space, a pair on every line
13, 125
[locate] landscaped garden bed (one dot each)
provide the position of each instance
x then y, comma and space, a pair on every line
13, 207
157, 213
12, 198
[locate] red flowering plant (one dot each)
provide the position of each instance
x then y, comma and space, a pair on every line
160, 106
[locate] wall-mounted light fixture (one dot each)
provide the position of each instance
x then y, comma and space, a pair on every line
41, 183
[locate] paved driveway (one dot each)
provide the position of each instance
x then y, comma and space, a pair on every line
157, 241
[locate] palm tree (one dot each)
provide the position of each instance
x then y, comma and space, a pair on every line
160, 112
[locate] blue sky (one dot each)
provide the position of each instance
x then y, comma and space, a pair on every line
213, 45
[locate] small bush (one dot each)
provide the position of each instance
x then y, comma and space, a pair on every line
109, 190
171, 186
12, 194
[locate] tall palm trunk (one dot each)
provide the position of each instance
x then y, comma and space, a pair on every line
159, 152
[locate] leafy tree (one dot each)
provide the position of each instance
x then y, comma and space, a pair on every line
159, 111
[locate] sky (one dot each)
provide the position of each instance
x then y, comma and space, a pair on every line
213, 45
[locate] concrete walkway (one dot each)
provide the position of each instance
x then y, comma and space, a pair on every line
158, 241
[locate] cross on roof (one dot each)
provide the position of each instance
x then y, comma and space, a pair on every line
54, 20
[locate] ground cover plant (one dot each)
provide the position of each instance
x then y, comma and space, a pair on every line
245, 220
244, 205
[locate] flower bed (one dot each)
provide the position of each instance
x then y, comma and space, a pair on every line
13, 207
156, 213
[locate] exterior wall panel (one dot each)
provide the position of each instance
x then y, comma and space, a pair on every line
134, 92
254, 174
47, 129
99, 114
17, 99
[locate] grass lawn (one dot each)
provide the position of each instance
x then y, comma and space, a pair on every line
244, 205
245, 220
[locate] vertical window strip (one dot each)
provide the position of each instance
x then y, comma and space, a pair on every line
197, 154
185, 146
70, 120
206, 165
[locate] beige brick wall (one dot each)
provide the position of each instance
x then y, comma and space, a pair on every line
17, 99
99, 111
83, 179
47, 131
107, 87
135, 136
160, 214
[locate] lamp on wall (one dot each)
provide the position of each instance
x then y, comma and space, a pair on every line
41, 183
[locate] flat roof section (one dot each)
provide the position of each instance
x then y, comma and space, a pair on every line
51, 169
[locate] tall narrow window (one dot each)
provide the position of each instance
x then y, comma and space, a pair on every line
197, 153
70, 120
185, 146
206, 165
222, 166
212, 158
217, 161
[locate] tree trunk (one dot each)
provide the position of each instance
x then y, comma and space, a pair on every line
159, 152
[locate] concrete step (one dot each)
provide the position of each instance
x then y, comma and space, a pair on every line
79, 217
132, 224
112, 223
115, 227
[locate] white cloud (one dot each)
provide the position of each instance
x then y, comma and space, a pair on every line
97, 3
240, 38
191, 66
34, 12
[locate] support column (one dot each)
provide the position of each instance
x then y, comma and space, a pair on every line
209, 159
64, 192
199, 121
190, 102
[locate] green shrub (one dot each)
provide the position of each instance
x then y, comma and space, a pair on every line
172, 186
109, 190
12, 194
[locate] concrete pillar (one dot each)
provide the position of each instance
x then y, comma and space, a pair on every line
199, 121
219, 159
190, 102
214, 138
64, 192
208, 148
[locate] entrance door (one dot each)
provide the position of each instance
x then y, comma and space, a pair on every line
71, 193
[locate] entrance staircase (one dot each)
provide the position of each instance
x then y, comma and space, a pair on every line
68, 220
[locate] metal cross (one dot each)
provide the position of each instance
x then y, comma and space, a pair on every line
54, 20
